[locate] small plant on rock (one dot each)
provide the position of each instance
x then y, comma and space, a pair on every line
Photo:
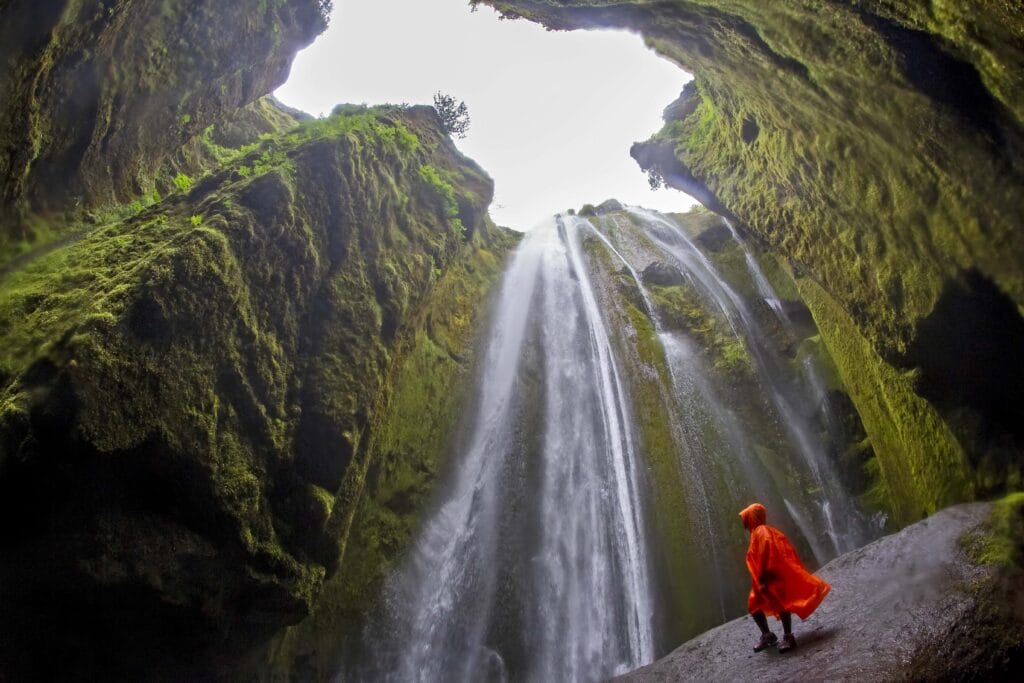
183, 182
454, 117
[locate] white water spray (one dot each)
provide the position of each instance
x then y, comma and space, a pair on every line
585, 604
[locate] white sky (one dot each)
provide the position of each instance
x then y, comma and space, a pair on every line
553, 114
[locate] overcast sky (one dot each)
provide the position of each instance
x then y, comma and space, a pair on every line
552, 114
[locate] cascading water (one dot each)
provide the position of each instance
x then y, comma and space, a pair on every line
815, 386
845, 530
764, 287
579, 607
546, 555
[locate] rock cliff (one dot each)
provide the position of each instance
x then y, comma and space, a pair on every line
193, 395
234, 341
99, 93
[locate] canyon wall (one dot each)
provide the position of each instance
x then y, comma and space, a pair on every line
876, 148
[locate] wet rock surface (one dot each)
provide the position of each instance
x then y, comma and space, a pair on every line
891, 602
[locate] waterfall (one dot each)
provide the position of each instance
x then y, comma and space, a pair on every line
439, 604
810, 370
582, 600
764, 288
849, 530
694, 402
815, 386
544, 555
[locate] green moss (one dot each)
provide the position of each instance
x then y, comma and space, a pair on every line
683, 308
364, 121
413, 437
440, 184
1000, 542
183, 182
217, 152
921, 465
443, 188
814, 349
64, 289
240, 347
698, 129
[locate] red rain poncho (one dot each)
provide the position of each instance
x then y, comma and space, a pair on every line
772, 561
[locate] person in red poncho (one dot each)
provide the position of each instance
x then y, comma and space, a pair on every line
780, 583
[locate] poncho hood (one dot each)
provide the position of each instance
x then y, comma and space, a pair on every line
753, 516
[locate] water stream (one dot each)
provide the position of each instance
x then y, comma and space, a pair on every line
540, 560
579, 604
764, 287
845, 530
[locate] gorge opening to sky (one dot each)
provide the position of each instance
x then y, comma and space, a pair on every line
553, 114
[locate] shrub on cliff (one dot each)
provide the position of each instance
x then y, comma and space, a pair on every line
454, 117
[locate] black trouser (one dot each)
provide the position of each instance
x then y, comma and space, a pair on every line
762, 621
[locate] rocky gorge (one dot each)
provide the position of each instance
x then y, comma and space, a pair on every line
876, 146
246, 354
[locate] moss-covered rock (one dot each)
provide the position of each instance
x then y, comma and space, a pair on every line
191, 396
99, 93
877, 146
412, 437
920, 464
233, 135
988, 644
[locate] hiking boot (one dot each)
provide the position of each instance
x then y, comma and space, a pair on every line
788, 643
767, 640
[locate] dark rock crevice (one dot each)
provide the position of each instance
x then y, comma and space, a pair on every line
967, 356
949, 81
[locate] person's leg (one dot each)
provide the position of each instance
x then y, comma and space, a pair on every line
761, 620
767, 637
788, 640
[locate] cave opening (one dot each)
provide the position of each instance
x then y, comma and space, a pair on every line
552, 116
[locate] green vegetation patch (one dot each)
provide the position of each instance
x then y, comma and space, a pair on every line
442, 187
412, 439
683, 308
225, 361
1000, 542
